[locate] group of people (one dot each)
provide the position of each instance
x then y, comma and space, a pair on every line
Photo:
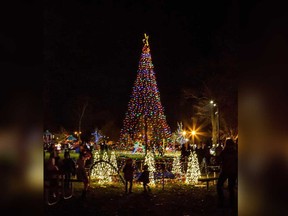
129, 170
227, 159
67, 167
202, 152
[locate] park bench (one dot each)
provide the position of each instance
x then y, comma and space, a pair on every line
52, 192
71, 182
60, 190
213, 168
207, 179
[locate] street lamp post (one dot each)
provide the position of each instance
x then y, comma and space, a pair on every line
213, 122
184, 146
218, 125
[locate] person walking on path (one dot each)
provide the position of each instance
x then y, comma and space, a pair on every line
68, 168
144, 177
228, 159
128, 171
218, 151
81, 172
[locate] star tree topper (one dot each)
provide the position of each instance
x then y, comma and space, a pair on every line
145, 40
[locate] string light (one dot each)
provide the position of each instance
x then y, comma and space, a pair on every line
145, 111
193, 169
150, 161
176, 167
102, 172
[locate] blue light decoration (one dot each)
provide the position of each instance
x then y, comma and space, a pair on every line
97, 135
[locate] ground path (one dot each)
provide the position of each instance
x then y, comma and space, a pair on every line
174, 200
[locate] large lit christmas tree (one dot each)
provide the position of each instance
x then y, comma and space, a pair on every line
145, 120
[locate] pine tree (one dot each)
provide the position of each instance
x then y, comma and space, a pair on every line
193, 170
145, 119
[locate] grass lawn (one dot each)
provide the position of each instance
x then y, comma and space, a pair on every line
120, 154
171, 198
73, 155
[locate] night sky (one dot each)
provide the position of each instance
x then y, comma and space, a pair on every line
92, 50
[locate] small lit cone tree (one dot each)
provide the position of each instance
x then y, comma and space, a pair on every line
102, 171
176, 167
150, 161
106, 170
96, 157
193, 170
113, 161
145, 119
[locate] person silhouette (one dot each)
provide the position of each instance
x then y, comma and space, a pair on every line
81, 172
128, 171
144, 177
228, 160
51, 173
68, 168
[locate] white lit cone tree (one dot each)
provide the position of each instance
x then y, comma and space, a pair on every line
150, 161
193, 170
113, 161
96, 157
176, 167
102, 171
